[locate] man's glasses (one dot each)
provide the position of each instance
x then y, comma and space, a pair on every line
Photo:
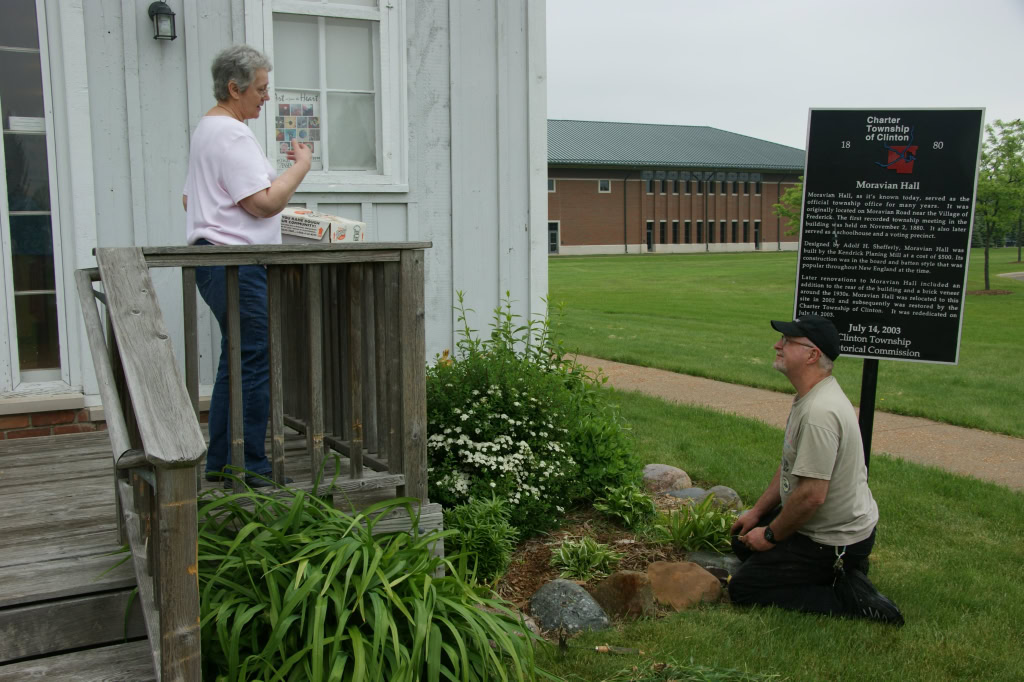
786, 341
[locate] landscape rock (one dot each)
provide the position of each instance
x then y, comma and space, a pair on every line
682, 585
564, 604
659, 478
529, 622
695, 495
625, 594
726, 497
709, 560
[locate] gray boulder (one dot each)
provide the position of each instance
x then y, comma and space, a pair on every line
709, 560
661, 477
695, 495
564, 604
726, 497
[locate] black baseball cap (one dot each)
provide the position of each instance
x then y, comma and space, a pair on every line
819, 330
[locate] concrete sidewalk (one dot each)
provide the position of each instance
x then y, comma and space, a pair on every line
988, 456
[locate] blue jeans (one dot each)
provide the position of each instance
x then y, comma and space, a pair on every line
252, 293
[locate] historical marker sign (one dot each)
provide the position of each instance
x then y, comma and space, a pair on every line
887, 212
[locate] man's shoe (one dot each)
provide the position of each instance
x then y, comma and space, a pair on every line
863, 600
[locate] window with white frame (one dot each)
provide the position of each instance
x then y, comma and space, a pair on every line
30, 267
551, 184
336, 85
604, 186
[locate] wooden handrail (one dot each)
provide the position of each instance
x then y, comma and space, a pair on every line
348, 325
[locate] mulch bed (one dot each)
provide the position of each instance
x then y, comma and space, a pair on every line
531, 563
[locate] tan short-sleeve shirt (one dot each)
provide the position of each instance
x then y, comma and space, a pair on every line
823, 441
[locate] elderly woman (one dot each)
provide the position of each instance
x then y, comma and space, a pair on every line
233, 196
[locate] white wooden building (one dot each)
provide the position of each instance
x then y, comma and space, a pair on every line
433, 118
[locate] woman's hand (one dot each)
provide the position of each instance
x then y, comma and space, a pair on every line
300, 153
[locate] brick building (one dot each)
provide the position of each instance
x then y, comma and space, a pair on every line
687, 189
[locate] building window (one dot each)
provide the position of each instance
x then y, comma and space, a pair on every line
551, 184
687, 186
746, 188
650, 186
757, 188
723, 235
686, 232
662, 229
735, 231
650, 235
338, 85
711, 187
711, 232
664, 186
553, 240
735, 187
757, 231
700, 187
675, 187
675, 231
29, 264
700, 231
746, 231
604, 186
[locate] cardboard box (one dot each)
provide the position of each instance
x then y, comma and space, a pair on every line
310, 225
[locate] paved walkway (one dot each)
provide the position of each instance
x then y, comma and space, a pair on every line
988, 456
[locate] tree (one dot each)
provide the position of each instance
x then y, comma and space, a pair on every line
790, 204
1000, 200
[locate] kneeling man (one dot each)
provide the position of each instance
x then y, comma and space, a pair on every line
805, 543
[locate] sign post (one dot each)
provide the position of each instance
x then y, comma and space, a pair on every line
885, 239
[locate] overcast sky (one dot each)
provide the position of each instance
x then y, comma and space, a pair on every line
756, 66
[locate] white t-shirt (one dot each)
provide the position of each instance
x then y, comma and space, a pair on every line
226, 165
823, 441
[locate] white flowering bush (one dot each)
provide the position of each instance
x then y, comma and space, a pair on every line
507, 416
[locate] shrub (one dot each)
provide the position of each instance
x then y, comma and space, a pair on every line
629, 503
696, 527
584, 559
293, 589
482, 538
510, 416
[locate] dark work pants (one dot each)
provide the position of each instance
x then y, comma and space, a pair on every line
797, 574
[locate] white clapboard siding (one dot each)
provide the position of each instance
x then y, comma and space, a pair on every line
476, 149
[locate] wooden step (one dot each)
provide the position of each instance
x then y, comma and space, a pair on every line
131, 662
65, 624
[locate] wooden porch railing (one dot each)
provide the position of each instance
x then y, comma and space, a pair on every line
347, 370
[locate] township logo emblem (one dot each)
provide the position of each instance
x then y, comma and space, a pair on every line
901, 158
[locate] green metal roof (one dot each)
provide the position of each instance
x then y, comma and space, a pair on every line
600, 143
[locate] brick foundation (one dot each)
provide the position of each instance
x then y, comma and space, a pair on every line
53, 423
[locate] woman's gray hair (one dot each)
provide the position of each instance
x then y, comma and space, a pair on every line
238, 63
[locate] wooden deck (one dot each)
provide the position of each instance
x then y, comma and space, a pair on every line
58, 539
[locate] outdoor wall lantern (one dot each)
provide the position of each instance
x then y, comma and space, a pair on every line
163, 21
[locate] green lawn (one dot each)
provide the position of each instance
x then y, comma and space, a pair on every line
950, 553
707, 315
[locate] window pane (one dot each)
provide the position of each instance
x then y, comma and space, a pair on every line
352, 132
38, 342
18, 28
349, 54
28, 184
32, 252
296, 52
21, 85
